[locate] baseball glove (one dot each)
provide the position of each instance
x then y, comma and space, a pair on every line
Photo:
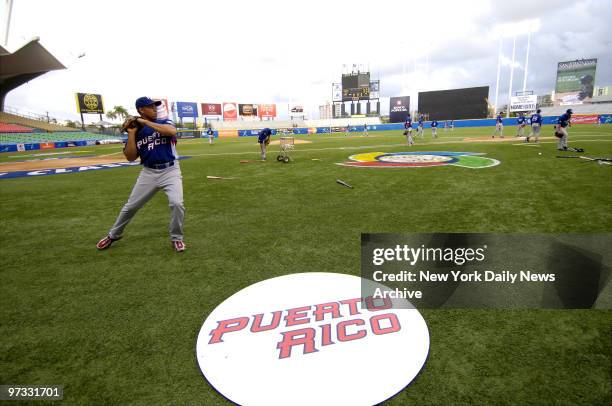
558, 134
130, 122
267, 140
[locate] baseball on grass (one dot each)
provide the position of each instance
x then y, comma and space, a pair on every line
539, 153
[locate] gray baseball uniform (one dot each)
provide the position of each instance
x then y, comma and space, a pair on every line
161, 171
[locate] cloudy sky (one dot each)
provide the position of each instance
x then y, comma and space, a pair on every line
291, 52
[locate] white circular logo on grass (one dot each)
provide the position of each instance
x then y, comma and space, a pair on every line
415, 158
310, 338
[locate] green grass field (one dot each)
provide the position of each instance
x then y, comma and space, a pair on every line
119, 326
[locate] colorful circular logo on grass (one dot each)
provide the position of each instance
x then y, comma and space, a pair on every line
420, 159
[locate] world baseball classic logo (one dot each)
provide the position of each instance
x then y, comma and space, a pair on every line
420, 159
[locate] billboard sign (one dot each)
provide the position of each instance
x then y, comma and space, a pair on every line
230, 111
523, 103
89, 103
575, 81
162, 109
296, 110
336, 91
187, 109
266, 110
398, 109
211, 109
247, 110
375, 89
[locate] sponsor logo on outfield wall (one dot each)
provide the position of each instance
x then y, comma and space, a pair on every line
263, 343
420, 159
73, 169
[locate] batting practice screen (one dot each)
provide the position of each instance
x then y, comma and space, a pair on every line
455, 104
356, 86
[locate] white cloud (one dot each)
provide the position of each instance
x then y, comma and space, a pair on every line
267, 51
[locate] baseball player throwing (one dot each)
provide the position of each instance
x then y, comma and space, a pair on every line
154, 141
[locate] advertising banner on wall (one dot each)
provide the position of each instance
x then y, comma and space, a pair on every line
230, 111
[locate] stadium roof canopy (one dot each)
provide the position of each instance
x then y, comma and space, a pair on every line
28, 62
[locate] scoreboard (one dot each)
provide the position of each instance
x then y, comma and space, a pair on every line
356, 86
455, 104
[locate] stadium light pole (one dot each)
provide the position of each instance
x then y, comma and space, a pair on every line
499, 58
526, 62
532, 26
8, 9
511, 76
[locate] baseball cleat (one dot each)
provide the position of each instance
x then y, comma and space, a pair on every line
106, 242
179, 246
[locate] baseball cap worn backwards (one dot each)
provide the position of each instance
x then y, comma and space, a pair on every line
146, 101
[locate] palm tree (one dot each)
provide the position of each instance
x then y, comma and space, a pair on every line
118, 112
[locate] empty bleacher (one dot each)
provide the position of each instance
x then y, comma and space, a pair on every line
599, 108
8, 118
253, 125
13, 128
343, 122
32, 138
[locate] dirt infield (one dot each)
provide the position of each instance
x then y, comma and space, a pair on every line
505, 139
296, 141
57, 163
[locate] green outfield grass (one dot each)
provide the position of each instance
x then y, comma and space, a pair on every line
119, 326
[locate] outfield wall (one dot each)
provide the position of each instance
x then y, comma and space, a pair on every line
488, 122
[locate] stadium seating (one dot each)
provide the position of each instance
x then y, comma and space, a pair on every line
21, 138
253, 125
13, 128
343, 122
28, 122
600, 108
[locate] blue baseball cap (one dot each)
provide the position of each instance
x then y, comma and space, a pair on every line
146, 101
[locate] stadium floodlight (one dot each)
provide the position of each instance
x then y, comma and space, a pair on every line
531, 26
512, 30
8, 8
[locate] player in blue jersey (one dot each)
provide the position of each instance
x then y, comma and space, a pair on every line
408, 130
264, 139
563, 122
499, 126
536, 126
434, 128
452, 125
420, 126
365, 130
154, 141
211, 135
520, 125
